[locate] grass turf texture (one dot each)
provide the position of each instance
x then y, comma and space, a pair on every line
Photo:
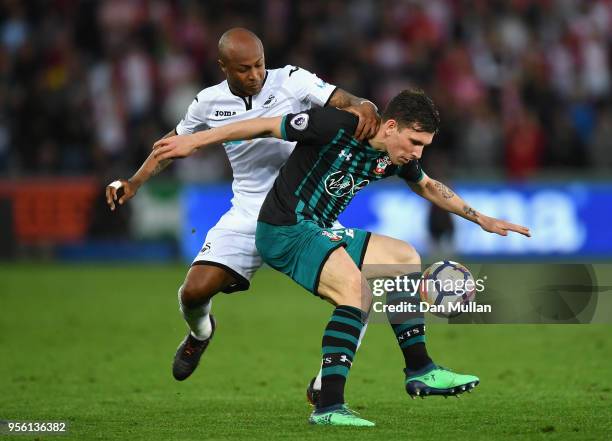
94, 344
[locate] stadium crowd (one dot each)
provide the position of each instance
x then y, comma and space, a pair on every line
524, 86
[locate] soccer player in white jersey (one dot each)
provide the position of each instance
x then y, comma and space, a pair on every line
228, 258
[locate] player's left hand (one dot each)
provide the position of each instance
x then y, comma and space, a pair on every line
498, 226
369, 121
173, 147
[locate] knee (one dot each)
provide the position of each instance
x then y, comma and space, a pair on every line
194, 294
354, 292
406, 254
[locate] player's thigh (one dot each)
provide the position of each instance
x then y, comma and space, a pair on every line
314, 257
341, 281
386, 256
203, 281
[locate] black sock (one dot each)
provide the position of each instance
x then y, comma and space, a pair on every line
409, 327
339, 345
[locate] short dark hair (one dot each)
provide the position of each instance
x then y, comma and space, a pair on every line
413, 108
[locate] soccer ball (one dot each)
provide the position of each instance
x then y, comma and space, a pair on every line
447, 288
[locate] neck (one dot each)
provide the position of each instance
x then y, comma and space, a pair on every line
377, 142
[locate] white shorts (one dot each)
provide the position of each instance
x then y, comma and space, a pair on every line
230, 245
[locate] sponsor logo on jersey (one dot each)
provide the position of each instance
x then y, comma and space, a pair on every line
341, 183
224, 113
381, 165
299, 121
270, 101
331, 235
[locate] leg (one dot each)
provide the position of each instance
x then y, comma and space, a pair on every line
388, 257
313, 390
400, 259
423, 377
201, 284
297, 250
342, 284
384, 257
225, 263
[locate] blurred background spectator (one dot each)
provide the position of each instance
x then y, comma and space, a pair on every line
524, 86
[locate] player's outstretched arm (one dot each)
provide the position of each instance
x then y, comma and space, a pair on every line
184, 145
150, 167
439, 194
366, 111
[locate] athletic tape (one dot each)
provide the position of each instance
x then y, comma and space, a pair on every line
116, 185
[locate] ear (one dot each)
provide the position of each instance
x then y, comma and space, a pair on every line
390, 125
221, 65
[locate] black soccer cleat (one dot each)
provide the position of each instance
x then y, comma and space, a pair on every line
312, 394
189, 353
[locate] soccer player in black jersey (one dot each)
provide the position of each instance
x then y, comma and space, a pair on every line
295, 235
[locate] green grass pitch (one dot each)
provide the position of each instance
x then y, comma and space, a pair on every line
93, 345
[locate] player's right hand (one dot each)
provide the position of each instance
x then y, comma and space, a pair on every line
112, 190
369, 120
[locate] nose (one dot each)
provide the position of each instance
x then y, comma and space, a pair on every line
254, 74
417, 153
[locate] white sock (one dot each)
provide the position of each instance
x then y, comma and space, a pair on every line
197, 318
317, 382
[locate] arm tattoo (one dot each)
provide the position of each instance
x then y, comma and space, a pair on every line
446, 192
341, 99
160, 166
166, 162
469, 211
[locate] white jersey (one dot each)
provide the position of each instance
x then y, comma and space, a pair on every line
255, 163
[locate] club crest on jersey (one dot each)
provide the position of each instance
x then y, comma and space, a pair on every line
381, 165
299, 121
270, 101
331, 235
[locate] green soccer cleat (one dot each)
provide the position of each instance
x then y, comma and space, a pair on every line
341, 416
439, 381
